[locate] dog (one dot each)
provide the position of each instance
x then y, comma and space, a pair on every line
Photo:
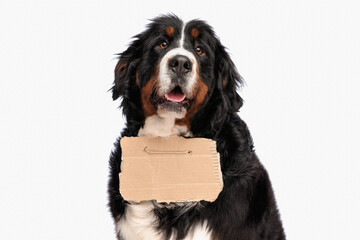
177, 78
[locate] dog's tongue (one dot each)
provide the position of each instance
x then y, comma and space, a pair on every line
175, 95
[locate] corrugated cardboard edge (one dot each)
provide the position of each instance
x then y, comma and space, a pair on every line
216, 165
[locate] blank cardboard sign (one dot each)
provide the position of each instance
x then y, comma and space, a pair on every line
171, 169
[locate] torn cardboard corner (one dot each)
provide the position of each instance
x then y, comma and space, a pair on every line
171, 169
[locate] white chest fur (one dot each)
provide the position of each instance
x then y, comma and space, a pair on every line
138, 222
163, 126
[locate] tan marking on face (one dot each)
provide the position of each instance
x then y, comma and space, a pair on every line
146, 92
195, 32
169, 31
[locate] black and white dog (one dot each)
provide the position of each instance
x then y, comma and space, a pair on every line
177, 79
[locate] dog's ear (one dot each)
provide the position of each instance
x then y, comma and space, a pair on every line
125, 71
228, 79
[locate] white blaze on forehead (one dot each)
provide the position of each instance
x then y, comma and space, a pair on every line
181, 41
164, 71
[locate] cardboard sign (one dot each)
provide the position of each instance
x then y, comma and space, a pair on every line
171, 169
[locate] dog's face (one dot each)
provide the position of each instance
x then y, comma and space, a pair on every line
175, 68
176, 85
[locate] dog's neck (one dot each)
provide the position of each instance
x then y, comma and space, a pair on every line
163, 126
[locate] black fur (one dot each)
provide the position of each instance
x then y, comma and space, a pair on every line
246, 208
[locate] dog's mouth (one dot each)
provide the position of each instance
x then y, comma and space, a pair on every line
175, 95
174, 100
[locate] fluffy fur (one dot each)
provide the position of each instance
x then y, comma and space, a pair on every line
246, 207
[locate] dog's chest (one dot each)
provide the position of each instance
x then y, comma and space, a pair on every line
157, 126
139, 221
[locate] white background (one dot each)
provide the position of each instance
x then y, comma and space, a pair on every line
301, 63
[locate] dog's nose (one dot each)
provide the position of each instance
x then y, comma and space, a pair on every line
180, 64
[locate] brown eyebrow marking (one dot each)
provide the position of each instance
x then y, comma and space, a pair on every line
195, 32
169, 31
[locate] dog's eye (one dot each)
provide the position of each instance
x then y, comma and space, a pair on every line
199, 50
164, 44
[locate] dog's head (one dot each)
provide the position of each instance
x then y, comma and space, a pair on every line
180, 69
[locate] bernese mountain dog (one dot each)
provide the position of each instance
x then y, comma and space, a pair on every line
176, 78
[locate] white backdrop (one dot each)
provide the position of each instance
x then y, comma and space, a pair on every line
301, 63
